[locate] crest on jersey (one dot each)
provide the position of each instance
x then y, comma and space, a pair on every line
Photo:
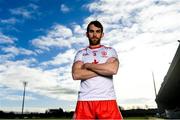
104, 54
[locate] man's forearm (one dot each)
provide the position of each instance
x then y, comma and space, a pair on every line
105, 69
83, 74
101, 69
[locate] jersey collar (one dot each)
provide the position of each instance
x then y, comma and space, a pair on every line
95, 47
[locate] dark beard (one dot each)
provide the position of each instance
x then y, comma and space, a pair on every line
94, 42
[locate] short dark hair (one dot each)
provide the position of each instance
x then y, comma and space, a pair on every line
95, 23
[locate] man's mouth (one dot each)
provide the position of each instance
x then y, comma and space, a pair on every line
94, 38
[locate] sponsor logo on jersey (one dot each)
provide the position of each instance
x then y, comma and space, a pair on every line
85, 54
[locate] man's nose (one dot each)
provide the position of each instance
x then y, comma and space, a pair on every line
95, 34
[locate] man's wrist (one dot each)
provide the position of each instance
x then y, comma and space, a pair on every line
87, 65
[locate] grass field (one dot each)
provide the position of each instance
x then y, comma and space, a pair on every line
128, 118
143, 118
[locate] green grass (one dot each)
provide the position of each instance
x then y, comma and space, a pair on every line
143, 118
126, 118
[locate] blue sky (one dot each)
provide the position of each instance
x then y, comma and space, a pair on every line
39, 39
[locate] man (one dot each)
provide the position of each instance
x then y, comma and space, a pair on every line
95, 66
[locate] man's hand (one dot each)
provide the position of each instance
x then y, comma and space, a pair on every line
86, 65
80, 71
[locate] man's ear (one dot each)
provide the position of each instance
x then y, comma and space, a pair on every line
102, 35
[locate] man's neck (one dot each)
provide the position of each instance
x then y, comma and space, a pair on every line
95, 46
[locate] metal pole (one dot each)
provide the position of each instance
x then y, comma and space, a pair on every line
24, 83
154, 84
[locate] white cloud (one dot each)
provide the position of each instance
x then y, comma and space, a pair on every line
62, 58
17, 51
159, 18
6, 57
17, 98
33, 6
27, 12
21, 12
60, 31
24, 62
9, 21
59, 36
43, 82
6, 39
64, 8
78, 30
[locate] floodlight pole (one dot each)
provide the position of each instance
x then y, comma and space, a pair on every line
154, 84
24, 83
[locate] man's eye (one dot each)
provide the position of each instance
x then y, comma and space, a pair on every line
98, 31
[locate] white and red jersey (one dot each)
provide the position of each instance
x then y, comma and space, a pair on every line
100, 87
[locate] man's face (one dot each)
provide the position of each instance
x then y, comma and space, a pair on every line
94, 34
